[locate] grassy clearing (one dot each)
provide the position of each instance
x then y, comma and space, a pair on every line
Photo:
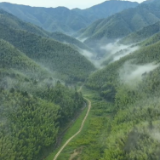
89, 143
65, 155
71, 131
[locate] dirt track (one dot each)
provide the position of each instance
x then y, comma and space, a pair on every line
80, 129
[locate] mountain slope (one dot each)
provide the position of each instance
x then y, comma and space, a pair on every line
13, 59
62, 19
123, 23
57, 57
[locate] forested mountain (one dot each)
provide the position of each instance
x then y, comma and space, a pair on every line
123, 23
32, 115
12, 59
61, 59
62, 19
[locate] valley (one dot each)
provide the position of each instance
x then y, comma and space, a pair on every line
80, 84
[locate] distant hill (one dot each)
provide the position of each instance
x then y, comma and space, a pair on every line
106, 9
62, 19
14, 22
122, 24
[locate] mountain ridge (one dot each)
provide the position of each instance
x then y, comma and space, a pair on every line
73, 20
128, 21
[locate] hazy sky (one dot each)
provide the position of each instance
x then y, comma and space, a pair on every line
56, 3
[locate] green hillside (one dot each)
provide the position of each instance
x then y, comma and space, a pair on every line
61, 59
122, 24
11, 58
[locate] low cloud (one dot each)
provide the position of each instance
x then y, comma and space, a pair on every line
82, 39
114, 47
92, 57
114, 51
131, 73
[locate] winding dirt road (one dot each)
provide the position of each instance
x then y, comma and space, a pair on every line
80, 129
